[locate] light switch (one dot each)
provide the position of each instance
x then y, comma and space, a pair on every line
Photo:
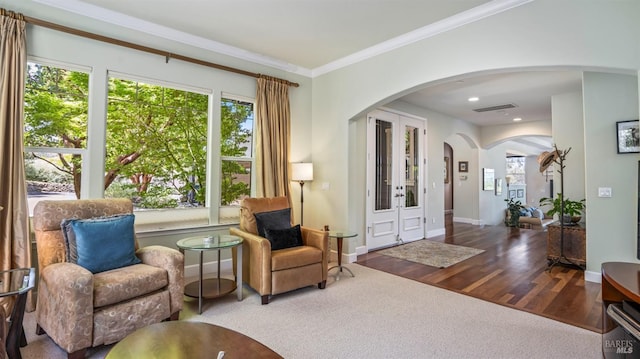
604, 192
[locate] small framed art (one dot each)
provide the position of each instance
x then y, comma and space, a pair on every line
628, 134
498, 186
463, 166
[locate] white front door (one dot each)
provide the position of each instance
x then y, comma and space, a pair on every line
395, 179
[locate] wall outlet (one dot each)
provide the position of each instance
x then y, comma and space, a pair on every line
604, 192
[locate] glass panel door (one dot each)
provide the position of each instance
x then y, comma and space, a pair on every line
412, 173
384, 165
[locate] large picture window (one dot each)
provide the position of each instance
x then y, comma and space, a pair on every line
161, 145
156, 147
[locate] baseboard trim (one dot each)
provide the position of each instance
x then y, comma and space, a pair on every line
436, 232
475, 222
350, 257
594, 277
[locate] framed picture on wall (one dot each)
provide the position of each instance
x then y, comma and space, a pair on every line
463, 166
628, 134
488, 179
520, 193
498, 186
512, 193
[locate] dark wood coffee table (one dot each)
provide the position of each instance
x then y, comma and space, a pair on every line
183, 339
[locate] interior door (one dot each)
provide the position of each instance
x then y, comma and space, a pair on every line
395, 179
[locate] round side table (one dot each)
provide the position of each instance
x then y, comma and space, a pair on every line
339, 236
213, 287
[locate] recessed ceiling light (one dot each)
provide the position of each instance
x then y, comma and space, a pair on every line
517, 119
473, 99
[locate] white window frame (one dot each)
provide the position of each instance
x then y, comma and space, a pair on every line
228, 211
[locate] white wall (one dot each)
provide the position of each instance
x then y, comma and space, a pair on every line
568, 133
611, 222
494, 135
465, 189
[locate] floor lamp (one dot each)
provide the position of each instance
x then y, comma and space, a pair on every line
545, 160
302, 172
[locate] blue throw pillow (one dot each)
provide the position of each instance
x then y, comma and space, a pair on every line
279, 219
284, 238
101, 244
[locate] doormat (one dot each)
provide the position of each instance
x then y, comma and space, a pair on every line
434, 254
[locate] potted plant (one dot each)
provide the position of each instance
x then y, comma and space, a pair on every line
572, 209
513, 207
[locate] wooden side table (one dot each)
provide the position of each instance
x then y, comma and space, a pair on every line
575, 242
620, 282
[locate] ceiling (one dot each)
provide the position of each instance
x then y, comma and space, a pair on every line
311, 37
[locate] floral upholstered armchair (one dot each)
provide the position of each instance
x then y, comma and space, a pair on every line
278, 258
95, 285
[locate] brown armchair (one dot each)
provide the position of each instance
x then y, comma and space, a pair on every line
274, 272
79, 309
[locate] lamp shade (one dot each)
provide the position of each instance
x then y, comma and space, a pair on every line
302, 171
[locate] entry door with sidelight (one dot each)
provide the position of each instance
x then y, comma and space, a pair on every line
395, 180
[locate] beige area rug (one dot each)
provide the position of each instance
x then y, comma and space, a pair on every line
375, 315
434, 254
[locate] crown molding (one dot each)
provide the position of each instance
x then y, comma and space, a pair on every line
116, 18
466, 17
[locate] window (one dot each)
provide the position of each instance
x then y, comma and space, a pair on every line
516, 170
156, 145
55, 131
160, 144
236, 149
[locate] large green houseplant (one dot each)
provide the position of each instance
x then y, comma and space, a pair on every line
572, 209
513, 207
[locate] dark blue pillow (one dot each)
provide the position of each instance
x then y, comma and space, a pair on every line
279, 219
102, 244
284, 238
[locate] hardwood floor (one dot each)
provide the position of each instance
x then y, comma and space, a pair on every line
512, 271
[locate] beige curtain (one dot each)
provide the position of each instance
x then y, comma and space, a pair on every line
15, 244
273, 118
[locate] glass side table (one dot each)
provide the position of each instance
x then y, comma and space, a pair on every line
213, 287
339, 236
16, 282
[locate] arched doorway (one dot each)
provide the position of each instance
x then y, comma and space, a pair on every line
448, 185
